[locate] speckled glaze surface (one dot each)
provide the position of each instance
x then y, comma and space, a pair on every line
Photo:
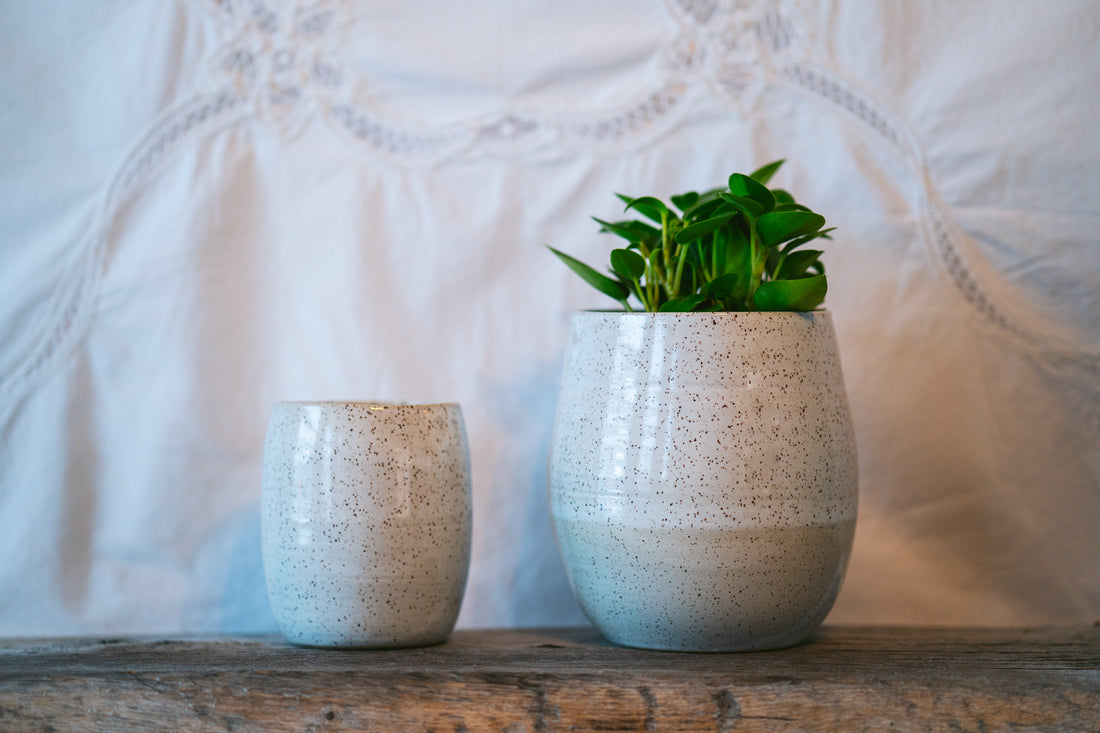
366, 520
703, 477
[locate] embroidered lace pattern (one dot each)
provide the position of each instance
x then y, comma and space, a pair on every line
284, 68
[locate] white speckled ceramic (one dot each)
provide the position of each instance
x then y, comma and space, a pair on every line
366, 522
703, 479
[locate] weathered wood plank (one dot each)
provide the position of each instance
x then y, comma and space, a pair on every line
847, 679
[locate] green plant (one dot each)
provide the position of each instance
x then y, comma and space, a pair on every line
729, 249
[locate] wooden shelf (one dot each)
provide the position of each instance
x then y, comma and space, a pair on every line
542, 680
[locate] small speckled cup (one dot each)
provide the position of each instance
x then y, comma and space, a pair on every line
366, 522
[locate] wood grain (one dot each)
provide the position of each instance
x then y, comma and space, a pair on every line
546, 680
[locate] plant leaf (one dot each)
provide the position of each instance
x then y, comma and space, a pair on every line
627, 264
742, 185
647, 211
722, 287
803, 294
633, 231
705, 209
603, 283
683, 304
777, 227
764, 173
685, 201
700, 228
797, 263
790, 206
746, 205
782, 196
823, 234
706, 198
647, 206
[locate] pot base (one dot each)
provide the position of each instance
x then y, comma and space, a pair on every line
706, 590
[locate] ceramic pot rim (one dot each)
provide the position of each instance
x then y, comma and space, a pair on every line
372, 405
721, 314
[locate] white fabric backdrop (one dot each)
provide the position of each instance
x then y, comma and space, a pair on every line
206, 207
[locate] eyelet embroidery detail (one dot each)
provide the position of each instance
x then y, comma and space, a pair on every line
282, 62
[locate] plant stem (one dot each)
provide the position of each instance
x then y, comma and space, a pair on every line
666, 248
645, 295
680, 267
778, 264
713, 258
651, 285
756, 263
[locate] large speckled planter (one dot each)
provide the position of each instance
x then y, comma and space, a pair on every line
703, 479
366, 522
